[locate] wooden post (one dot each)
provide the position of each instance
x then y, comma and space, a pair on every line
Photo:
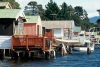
63, 50
62, 33
29, 54
43, 43
54, 54
3, 53
12, 43
18, 54
47, 55
27, 42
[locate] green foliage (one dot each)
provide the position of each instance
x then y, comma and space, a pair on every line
51, 11
28, 14
33, 4
98, 21
63, 12
66, 12
13, 3
37, 7
77, 20
79, 10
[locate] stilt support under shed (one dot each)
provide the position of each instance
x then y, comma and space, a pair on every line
88, 51
50, 54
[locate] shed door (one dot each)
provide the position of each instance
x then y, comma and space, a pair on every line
29, 29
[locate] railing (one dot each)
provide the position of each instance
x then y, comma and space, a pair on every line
27, 42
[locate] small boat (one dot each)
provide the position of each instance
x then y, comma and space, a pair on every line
88, 47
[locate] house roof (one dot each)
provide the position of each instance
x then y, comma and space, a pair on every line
58, 24
77, 29
10, 13
32, 19
4, 3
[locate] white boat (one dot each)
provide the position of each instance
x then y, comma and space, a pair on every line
85, 48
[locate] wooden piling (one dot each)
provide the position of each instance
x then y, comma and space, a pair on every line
63, 50
88, 51
47, 55
3, 53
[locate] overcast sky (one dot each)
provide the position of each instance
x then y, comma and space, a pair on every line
90, 6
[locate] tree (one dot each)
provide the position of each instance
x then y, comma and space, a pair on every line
37, 8
51, 11
63, 14
33, 4
85, 23
77, 20
13, 3
79, 10
98, 21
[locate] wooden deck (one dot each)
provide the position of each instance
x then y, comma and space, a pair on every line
71, 42
28, 42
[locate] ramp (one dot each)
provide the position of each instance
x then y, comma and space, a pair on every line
5, 42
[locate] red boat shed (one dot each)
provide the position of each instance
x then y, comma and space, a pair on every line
33, 26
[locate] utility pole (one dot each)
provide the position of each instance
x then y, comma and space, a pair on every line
70, 13
53, 15
99, 11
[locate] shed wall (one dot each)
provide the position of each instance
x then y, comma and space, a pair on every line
29, 29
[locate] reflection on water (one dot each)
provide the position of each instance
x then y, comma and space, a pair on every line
78, 59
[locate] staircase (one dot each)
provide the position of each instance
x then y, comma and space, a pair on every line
92, 38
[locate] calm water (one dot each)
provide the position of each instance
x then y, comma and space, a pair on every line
78, 59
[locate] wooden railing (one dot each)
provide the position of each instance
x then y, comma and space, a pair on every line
27, 42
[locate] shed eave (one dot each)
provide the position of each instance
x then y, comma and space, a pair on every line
29, 23
7, 18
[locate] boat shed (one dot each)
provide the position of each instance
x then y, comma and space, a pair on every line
62, 29
10, 22
33, 26
9, 19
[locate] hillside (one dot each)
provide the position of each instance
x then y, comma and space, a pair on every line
94, 19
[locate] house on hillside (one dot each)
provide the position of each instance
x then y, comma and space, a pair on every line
77, 30
11, 22
33, 26
61, 29
5, 5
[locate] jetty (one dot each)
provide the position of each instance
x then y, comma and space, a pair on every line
29, 37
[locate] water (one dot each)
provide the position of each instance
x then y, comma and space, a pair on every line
76, 59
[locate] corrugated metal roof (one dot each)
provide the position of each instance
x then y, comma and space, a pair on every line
3, 3
77, 29
57, 24
32, 19
9, 13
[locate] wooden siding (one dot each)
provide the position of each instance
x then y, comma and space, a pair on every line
49, 34
29, 29
29, 42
